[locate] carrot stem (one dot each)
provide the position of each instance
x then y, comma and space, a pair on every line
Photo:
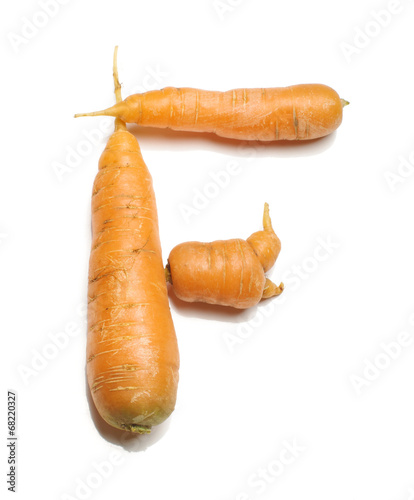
119, 124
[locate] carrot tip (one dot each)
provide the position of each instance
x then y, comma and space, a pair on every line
93, 113
267, 222
272, 290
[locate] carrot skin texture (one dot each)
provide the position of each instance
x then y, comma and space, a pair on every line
298, 112
226, 272
132, 353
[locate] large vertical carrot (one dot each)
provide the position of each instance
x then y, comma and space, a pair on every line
132, 354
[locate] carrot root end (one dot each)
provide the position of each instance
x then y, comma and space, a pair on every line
93, 113
272, 290
167, 272
137, 429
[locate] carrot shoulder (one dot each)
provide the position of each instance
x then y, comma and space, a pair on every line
132, 354
298, 112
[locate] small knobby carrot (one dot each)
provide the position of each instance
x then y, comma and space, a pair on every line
228, 273
132, 354
298, 112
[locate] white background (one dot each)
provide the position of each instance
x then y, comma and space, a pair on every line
250, 382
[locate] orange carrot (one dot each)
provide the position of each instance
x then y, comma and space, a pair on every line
132, 354
228, 273
299, 112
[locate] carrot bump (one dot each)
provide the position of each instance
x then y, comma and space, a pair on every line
226, 272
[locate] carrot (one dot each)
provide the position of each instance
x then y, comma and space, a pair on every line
299, 112
132, 354
228, 273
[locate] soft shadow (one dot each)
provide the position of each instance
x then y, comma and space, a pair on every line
201, 310
127, 440
166, 139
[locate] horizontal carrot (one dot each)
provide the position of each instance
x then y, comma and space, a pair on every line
228, 273
299, 112
132, 354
